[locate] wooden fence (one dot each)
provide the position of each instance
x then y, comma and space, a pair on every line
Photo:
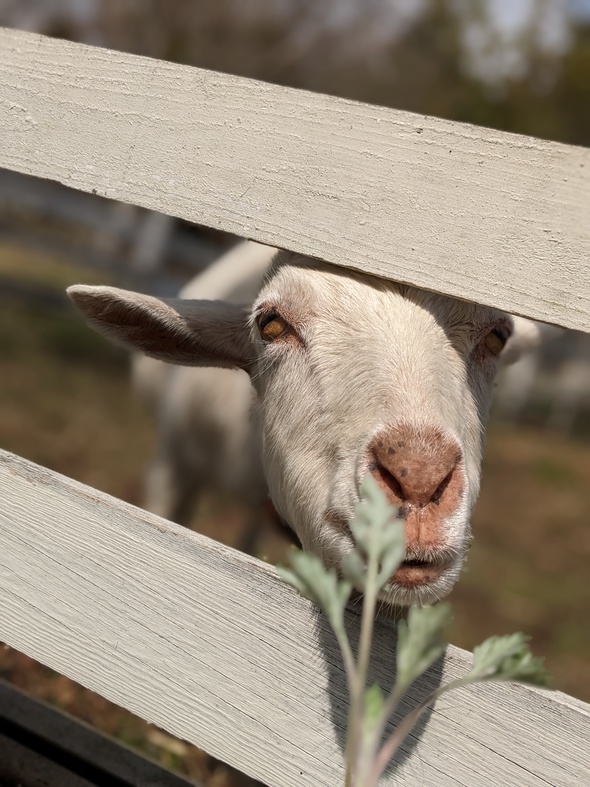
199, 639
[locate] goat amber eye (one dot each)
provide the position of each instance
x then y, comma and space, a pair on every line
272, 326
495, 341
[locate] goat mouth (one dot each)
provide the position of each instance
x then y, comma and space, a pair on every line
414, 572
417, 569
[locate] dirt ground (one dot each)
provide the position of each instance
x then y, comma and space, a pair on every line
65, 402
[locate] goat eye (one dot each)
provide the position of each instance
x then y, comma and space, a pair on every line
496, 340
272, 326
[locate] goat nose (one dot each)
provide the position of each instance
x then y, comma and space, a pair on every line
416, 467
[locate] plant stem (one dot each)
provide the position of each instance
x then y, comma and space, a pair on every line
354, 686
392, 744
354, 743
350, 667
391, 704
389, 707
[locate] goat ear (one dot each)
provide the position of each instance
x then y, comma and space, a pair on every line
526, 337
186, 332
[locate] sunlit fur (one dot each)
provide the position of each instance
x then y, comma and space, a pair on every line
205, 436
365, 354
373, 354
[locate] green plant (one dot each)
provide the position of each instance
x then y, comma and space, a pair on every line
379, 550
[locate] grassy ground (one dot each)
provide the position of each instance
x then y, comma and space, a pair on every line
65, 403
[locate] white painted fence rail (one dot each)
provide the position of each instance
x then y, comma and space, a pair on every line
210, 645
203, 641
496, 218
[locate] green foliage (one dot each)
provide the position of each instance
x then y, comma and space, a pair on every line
378, 551
379, 537
374, 702
420, 642
319, 584
508, 658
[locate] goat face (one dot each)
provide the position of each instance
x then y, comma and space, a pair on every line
354, 375
357, 375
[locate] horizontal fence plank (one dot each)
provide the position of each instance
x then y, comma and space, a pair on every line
210, 645
496, 218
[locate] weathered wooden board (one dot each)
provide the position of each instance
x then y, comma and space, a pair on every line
496, 218
210, 645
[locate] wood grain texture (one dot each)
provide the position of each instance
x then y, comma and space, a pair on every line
210, 645
497, 218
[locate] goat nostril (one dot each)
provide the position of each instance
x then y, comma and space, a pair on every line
388, 480
439, 491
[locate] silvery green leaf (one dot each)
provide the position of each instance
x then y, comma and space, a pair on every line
354, 569
419, 641
490, 653
309, 576
377, 530
394, 547
508, 658
373, 708
291, 578
372, 512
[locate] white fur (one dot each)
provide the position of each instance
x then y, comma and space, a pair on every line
205, 436
369, 355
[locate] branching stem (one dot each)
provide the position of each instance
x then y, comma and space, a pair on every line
396, 738
355, 741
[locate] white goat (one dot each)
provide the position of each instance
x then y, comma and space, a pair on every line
352, 374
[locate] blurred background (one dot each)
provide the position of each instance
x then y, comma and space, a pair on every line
66, 399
